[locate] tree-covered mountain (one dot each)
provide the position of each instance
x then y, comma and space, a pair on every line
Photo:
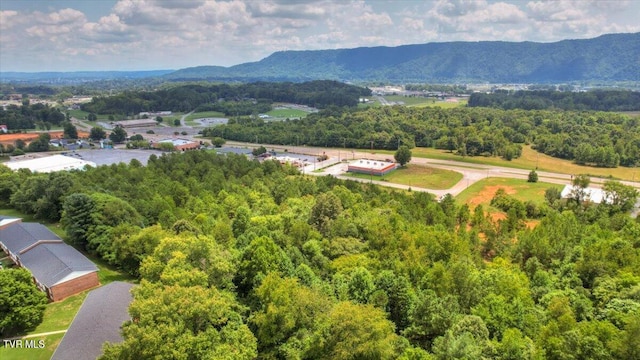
613, 57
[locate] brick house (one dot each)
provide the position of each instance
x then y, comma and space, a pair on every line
57, 268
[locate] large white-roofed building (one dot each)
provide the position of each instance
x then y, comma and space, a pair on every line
371, 167
50, 164
179, 144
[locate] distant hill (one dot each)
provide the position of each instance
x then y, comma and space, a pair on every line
77, 76
613, 57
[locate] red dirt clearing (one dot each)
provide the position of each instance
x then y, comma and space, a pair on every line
27, 137
487, 193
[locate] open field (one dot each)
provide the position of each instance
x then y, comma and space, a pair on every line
419, 101
287, 113
168, 119
420, 176
82, 115
529, 159
27, 137
483, 191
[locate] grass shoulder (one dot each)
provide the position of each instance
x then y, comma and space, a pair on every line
50, 342
418, 176
530, 159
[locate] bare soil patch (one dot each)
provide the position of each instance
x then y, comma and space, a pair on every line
28, 137
488, 193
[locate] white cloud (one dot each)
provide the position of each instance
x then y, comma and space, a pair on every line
179, 33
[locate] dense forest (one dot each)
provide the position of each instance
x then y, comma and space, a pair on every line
185, 98
593, 138
243, 260
30, 116
599, 100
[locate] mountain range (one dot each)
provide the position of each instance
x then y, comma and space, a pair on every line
612, 57
607, 58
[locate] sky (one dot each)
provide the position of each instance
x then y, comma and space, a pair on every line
101, 35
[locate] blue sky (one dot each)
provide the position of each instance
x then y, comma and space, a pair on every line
75, 35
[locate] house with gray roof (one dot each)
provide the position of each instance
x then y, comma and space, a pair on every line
57, 268
7, 220
98, 321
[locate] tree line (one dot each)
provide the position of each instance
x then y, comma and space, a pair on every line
594, 138
30, 116
597, 100
184, 98
253, 260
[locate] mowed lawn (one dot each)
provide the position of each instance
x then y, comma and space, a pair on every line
51, 343
287, 113
529, 159
419, 101
419, 176
484, 190
57, 316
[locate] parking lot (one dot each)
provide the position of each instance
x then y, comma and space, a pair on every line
113, 156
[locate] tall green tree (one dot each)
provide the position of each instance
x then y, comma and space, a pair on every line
118, 135
175, 322
403, 155
77, 217
70, 131
21, 303
97, 133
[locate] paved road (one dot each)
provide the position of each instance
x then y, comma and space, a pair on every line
183, 121
471, 173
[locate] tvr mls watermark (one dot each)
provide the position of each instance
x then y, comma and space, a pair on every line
24, 344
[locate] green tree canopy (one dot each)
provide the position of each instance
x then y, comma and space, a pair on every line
21, 303
403, 155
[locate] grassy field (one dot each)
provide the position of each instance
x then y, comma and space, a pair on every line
57, 316
483, 191
287, 113
410, 100
82, 115
168, 120
419, 101
51, 342
529, 159
419, 176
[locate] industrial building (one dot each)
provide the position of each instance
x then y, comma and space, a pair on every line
50, 164
179, 144
127, 124
371, 167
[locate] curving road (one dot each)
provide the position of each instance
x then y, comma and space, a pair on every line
471, 173
183, 122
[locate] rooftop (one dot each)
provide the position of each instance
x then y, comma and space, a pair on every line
54, 263
177, 142
49, 164
42, 252
371, 164
593, 195
20, 236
